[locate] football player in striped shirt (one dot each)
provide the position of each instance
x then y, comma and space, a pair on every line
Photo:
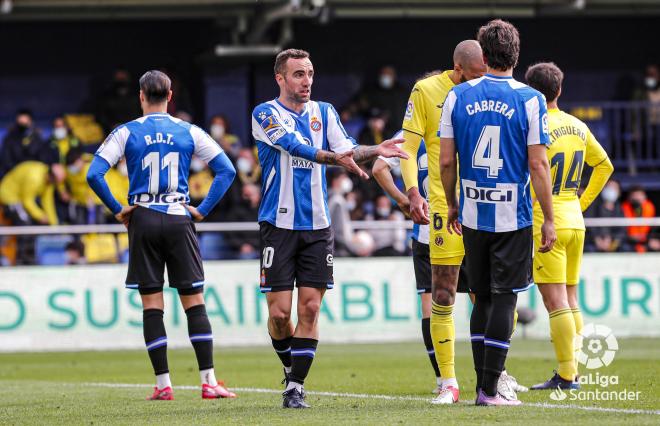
296, 137
498, 126
557, 273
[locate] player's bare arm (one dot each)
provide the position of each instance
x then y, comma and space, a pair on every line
448, 174
539, 170
388, 149
381, 172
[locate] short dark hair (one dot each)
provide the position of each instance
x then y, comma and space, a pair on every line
500, 43
547, 78
156, 86
24, 111
285, 55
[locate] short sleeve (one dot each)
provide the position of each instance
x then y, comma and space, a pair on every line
537, 120
338, 139
446, 125
414, 120
392, 162
112, 149
206, 148
595, 154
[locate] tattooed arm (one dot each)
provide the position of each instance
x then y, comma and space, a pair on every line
387, 149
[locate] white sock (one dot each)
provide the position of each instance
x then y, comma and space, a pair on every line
438, 381
287, 370
450, 382
163, 381
292, 385
208, 377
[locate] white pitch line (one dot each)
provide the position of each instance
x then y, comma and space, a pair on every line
386, 397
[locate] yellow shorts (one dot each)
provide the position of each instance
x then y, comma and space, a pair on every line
445, 248
561, 264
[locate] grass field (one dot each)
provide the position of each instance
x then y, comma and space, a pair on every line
364, 384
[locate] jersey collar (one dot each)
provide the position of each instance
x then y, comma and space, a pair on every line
154, 114
303, 112
497, 77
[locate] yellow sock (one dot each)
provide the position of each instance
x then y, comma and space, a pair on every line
562, 331
515, 321
579, 323
442, 330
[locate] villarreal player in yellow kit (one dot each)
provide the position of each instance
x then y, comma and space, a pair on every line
557, 272
421, 121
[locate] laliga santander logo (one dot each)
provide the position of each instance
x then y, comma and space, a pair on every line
558, 395
595, 346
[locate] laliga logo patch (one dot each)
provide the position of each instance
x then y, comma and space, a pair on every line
544, 122
409, 110
439, 241
315, 124
596, 346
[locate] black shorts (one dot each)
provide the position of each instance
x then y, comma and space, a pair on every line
157, 239
498, 262
422, 264
288, 256
423, 275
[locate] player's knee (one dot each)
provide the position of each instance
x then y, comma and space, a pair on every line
308, 311
280, 318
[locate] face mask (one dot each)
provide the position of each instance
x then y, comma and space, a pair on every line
350, 205
60, 132
197, 165
383, 211
244, 165
650, 82
21, 127
122, 168
386, 81
73, 169
217, 131
610, 194
346, 186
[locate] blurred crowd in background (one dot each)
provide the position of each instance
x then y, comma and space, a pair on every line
42, 182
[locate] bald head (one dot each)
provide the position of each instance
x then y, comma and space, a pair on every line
468, 60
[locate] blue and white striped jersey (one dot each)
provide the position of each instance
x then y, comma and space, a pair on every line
420, 232
158, 149
294, 189
493, 120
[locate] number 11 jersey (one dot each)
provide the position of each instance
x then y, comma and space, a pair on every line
492, 121
158, 150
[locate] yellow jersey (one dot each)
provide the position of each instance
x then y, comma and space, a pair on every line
422, 117
571, 145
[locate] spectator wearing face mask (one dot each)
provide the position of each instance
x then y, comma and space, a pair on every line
119, 103
372, 133
220, 131
61, 139
341, 185
248, 169
200, 180
389, 96
608, 238
388, 241
638, 205
23, 142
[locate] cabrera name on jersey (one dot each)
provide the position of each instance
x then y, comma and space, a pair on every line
420, 233
493, 120
293, 189
158, 149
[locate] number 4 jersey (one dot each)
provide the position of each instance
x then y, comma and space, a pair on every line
493, 120
158, 150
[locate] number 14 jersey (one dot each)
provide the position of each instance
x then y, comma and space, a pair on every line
492, 121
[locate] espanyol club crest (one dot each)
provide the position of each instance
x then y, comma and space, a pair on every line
315, 124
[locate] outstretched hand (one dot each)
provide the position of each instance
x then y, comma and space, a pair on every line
346, 161
390, 148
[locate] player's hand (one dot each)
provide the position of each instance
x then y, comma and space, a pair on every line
124, 216
196, 215
453, 225
390, 148
419, 208
346, 161
404, 206
548, 237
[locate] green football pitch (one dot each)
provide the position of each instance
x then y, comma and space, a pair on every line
360, 384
